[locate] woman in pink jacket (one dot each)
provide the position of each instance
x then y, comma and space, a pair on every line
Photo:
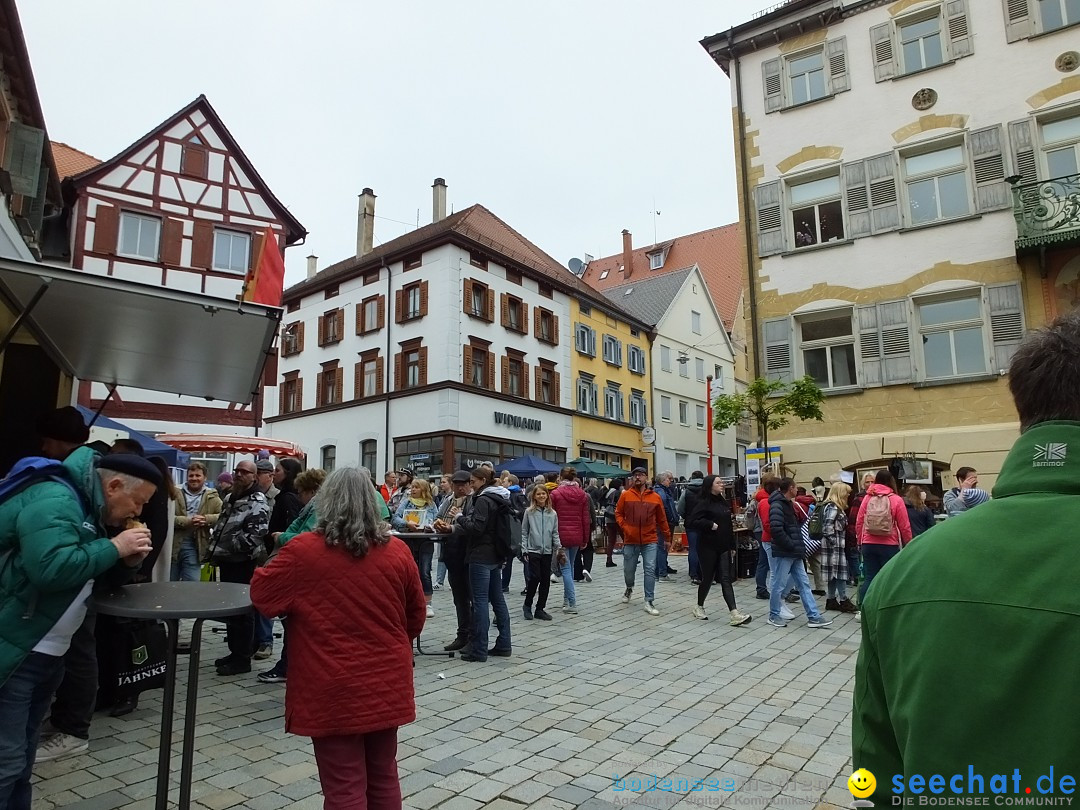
881, 534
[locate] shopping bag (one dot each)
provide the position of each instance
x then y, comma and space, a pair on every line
208, 572
132, 657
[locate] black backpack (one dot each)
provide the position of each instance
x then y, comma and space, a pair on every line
507, 542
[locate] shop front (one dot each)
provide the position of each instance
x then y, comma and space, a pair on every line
431, 456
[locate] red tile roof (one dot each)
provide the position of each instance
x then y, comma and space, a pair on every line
70, 161
719, 252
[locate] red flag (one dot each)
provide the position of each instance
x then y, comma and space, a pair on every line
266, 281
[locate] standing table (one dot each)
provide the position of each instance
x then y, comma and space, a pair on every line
423, 537
170, 602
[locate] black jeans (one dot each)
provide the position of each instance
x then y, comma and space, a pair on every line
713, 559
539, 565
457, 574
584, 561
240, 630
76, 697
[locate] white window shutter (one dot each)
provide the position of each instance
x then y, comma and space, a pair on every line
773, 83
895, 342
836, 55
1006, 322
988, 165
769, 218
857, 196
884, 198
1018, 19
778, 359
956, 21
23, 159
1022, 140
881, 48
869, 346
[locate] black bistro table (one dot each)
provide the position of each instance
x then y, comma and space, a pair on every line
170, 602
424, 537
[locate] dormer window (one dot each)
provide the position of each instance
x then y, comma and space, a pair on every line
656, 260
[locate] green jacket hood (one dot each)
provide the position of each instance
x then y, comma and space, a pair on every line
1040, 461
81, 465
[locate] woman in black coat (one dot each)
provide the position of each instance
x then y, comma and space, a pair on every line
711, 519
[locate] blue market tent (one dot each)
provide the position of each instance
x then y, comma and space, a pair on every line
528, 466
150, 445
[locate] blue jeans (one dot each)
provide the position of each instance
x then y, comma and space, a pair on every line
787, 568
507, 572
647, 553
24, 700
440, 576
264, 631
186, 567
692, 557
485, 582
661, 557
567, 572
764, 564
875, 555
772, 567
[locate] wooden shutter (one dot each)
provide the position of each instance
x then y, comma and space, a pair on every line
777, 339
339, 385
106, 229
773, 84
322, 331
360, 318
423, 298
172, 238
299, 337
270, 369
988, 164
382, 312
282, 389
1021, 137
379, 386
505, 362
504, 308
202, 245
193, 161
299, 395
881, 49
319, 389
555, 388
1018, 20
466, 364
339, 316
1006, 322
536, 321
490, 370
893, 324
466, 293
869, 346
956, 20
358, 381
524, 318
857, 195
397, 371
554, 329
423, 366
884, 198
538, 381
399, 303
769, 220
489, 297
525, 380
836, 56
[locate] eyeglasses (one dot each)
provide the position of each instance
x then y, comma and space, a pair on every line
243, 472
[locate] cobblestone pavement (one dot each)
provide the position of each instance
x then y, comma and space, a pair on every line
760, 713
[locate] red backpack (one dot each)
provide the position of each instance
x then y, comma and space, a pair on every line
878, 520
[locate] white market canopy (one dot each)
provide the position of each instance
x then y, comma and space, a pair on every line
124, 333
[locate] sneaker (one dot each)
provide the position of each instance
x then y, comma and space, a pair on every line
587, 575
832, 604
569, 609
792, 598
786, 614
235, 666
436, 587
611, 564
554, 579
777, 622
526, 611
817, 592
524, 592
671, 570
626, 596
542, 615
651, 609
762, 594
739, 619
506, 590
430, 612
664, 578
60, 745
695, 582
699, 612
274, 675
847, 606
820, 621
263, 652
858, 616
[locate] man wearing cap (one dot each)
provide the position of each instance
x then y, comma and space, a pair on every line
453, 555
53, 544
236, 544
640, 516
61, 431
223, 484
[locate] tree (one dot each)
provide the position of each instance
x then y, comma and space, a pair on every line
770, 404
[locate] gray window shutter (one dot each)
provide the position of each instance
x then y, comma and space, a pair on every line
778, 359
895, 342
36, 213
857, 198
769, 220
881, 45
1018, 19
23, 159
594, 406
956, 19
1006, 322
884, 200
773, 83
988, 163
592, 342
1023, 150
836, 53
869, 345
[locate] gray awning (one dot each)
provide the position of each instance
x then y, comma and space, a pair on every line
124, 333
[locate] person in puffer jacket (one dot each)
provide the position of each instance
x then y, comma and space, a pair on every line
539, 542
788, 552
879, 549
574, 509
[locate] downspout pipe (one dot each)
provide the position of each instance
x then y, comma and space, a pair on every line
387, 372
748, 231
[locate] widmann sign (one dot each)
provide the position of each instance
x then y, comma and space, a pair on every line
516, 421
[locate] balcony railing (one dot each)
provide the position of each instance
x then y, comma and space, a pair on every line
1047, 213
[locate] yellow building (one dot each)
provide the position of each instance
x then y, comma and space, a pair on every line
612, 384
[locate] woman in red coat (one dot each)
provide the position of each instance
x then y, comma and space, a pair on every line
353, 597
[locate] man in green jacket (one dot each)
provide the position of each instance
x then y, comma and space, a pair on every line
964, 685
53, 545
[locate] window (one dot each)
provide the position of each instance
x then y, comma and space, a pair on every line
292, 339
937, 185
232, 251
805, 76
329, 385
699, 412
513, 276
585, 340
585, 309
514, 319
718, 376
1061, 146
329, 457
516, 376
817, 215
369, 377
480, 359
140, 236
613, 402
290, 394
684, 365
1055, 14
544, 289
635, 359
665, 409
923, 40
695, 322
920, 43
371, 277
612, 350
369, 453
952, 336
656, 260
478, 300
546, 326
478, 260
411, 362
193, 158
828, 350
547, 383
637, 408
369, 315
699, 369
412, 262
587, 394
665, 358
331, 327
684, 412
635, 333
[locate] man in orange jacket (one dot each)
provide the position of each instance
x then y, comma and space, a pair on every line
640, 514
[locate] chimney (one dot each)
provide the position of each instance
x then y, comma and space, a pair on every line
312, 265
627, 253
438, 200
365, 223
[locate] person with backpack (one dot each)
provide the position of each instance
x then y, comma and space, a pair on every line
574, 510
832, 556
518, 504
539, 542
805, 505
612, 531
685, 505
882, 526
711, 519
920, 516
788, 551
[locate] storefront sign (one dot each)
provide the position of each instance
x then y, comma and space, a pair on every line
421, 464
516, 421
753, 474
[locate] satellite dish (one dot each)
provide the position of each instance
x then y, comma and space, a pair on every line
576, 266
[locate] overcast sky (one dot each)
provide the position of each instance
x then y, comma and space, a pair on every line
570, 120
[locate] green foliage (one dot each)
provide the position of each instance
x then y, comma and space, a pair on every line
770, 404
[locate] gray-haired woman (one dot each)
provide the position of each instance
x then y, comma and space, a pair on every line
351, 573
